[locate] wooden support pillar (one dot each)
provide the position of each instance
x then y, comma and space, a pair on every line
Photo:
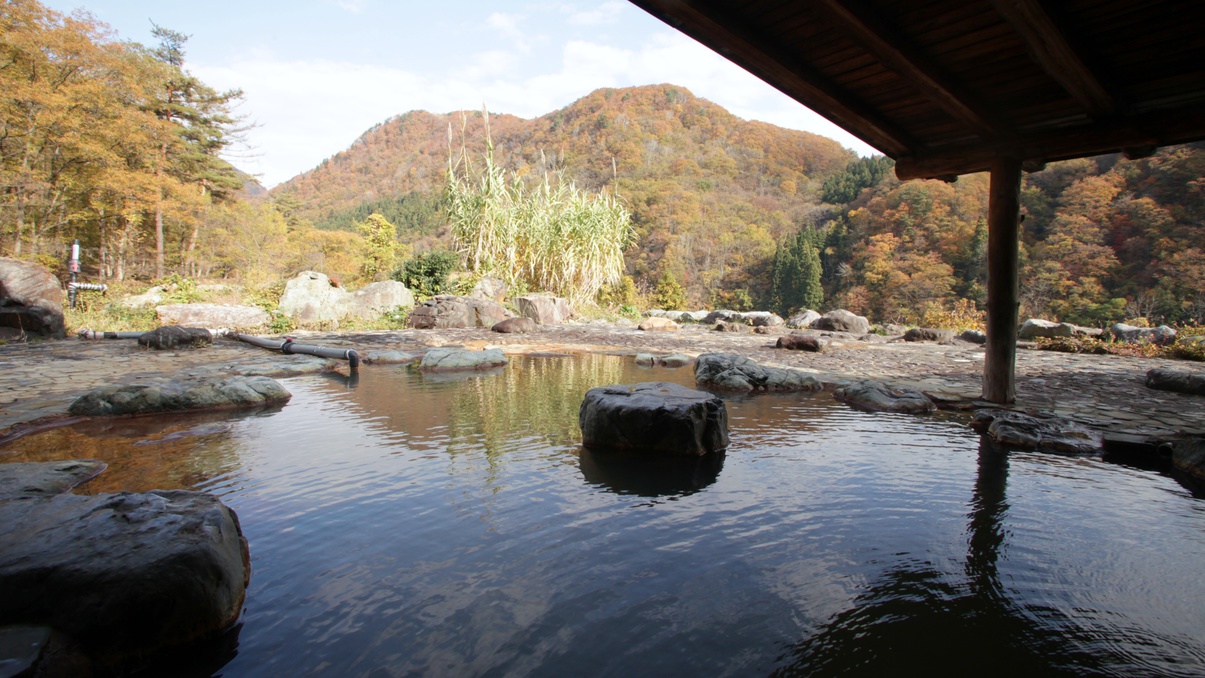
1003, 222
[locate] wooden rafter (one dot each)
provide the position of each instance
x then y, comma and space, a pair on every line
749, 48
894, 52
1056, 56
1136, 133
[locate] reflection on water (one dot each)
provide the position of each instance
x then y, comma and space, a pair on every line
422, 525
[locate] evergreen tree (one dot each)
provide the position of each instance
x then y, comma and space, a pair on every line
796, 274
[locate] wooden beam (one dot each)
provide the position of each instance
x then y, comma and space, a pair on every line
1051, 50
1003, 224
894, 52
749, 48
1157, 129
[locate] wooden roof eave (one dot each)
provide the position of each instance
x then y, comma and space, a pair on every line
775, 65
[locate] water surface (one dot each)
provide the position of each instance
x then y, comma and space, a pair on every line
444, 526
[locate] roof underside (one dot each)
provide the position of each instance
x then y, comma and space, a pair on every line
945, 86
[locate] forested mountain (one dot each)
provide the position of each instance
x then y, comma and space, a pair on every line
710, 193
118, 145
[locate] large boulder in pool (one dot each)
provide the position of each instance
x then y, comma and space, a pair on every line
875, 396
445, 310
1049, 433
731, 372
180, 395
125, 574
450, 359
658, 417
31, 298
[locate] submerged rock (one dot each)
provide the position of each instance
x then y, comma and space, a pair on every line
653, 417
182, 394
868, 394
646, 475
1028, 432
123, 574
174, 336
447, 359
1179, 381
33, 479
731, 372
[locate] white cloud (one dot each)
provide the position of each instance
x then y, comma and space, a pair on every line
604, 14
310, 110
353, 6
507, 26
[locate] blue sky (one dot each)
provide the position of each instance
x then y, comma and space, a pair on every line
318, 73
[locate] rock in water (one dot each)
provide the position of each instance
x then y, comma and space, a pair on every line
654, 417
123, 574
31, 298
868, 394
174, 336
183, 394
1189, 456
731, 372
515, 326
456, 359
1028, 432
29, 480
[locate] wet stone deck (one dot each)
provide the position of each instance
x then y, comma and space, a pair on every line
39, 380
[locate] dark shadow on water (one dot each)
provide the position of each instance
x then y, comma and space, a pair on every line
349, 381
915, 621
645, 475
198, 660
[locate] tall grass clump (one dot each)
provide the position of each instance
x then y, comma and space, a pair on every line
549, 237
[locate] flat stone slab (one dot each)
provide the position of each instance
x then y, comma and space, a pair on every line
123, 574
731, 372
1178, 381
875, 396
1028, 432
388, 357
32, 479
460, 359
179, 395
657, 417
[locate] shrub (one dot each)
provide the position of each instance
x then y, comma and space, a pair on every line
426, 275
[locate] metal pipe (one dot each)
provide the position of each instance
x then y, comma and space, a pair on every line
93, 334
289, 346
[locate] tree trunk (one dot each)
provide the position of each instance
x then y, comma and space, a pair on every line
159, 241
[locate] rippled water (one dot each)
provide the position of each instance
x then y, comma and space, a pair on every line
410, 525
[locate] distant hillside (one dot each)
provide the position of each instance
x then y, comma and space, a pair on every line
711, 194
